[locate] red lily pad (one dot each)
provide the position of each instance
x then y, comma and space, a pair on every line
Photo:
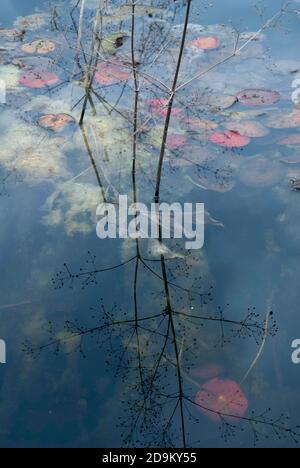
290, 140
206, 43
55, 122
229, 139
110, 73
159, 107
258, 97
220, 398
43, 46
248, 128
38, 79
176, 140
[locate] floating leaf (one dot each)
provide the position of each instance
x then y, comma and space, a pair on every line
258, 97
259, 171
55, 122
32, 22
206, 43
230, 139
159, 107
124, 13
38, 79
290, 140
11, 33
281, 121
110, 73
201, 124
175, 140
218, 102
248, 128
218, 398
110, 44
42, 46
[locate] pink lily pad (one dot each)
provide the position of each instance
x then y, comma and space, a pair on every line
55, 122
176, 140
290, 140
38, 79
229, 139
220, 398
206, 43
159, 107
42, 46
110, 73
258, 97
248, 128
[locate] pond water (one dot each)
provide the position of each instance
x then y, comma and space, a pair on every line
122, 342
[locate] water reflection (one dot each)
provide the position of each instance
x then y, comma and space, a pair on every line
178, 362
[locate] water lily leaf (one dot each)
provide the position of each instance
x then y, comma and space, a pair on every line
159, 107
205, 43
258, 97
110, 73
56, 122
110, 44
175, 140
11, 33
219, 397
282, 121
201, 124
42, 46
259, 171
38, 79
230, 139
290, 140
218, 102
32, 22
248, 128
124, 12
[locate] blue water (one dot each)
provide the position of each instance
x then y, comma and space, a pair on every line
80, 394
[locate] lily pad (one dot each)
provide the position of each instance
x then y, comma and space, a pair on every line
218, 398
282, 121
32, 22
175, 140
11, 33
38, 79
43, 46
159, 107
259, 172
56, 122
230, 139
248, 128
110, 73
258, 97
290, 140
205, 43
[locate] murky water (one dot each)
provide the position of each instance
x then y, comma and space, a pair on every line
106, 338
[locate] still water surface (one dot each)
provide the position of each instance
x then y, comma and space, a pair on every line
83, 394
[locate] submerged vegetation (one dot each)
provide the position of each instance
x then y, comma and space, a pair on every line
108, 98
